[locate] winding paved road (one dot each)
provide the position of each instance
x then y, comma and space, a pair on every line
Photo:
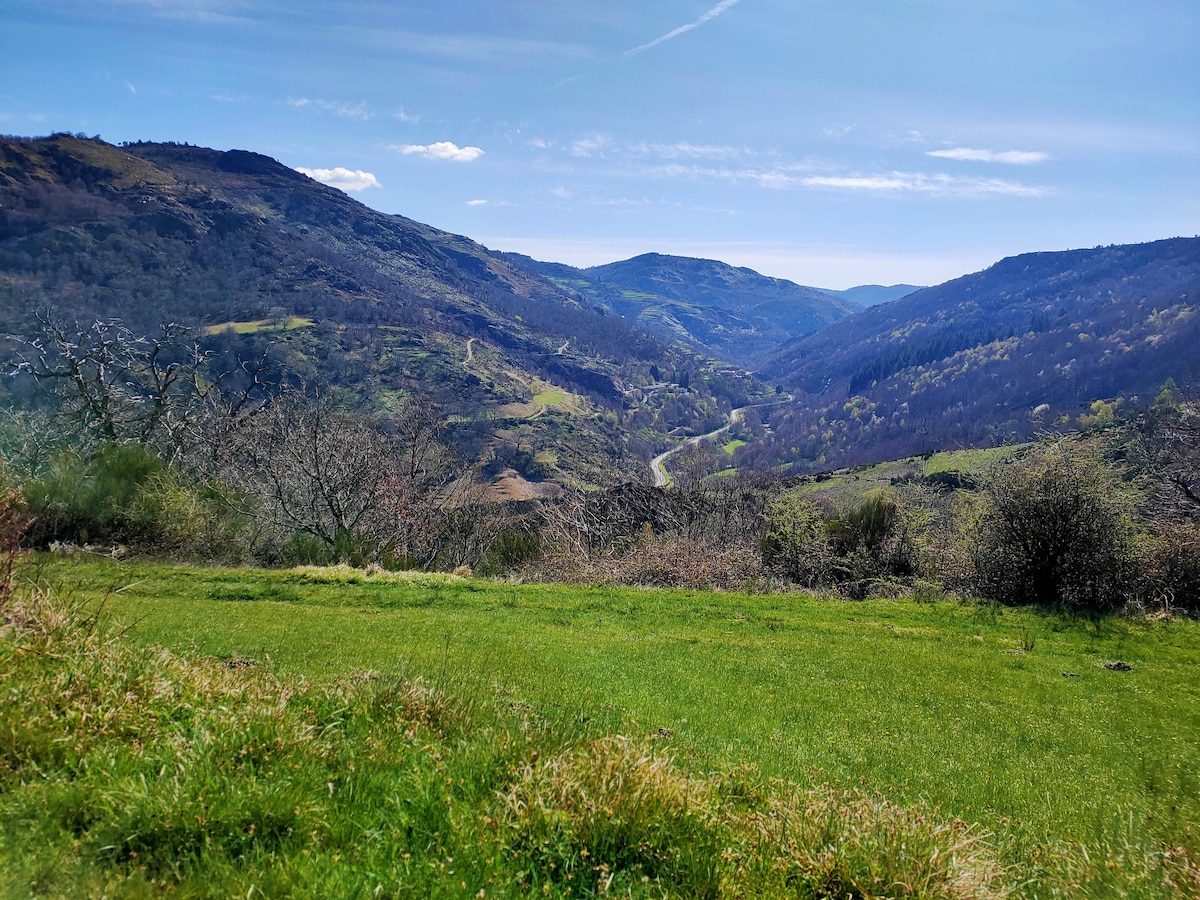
658, 465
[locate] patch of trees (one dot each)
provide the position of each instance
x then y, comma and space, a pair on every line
905, 354
153, 443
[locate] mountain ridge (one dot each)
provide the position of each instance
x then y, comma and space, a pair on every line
1038, 341
157, 232
540, 364
729, 311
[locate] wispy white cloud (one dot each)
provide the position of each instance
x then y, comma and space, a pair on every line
810, 175
602, 145
783, 176
22, 117
442, 150
836, 131
561, 192
686, 150
404, 116
1011, 157
461, 47
208, 11
131, 86
920, 183
684, 29
342, 110
342, 179
476, 203
593, 146
719, 162
229, 97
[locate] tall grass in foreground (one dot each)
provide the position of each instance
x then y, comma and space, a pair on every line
128, 771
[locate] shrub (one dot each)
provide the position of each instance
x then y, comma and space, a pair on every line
89, 500
13, 522
186, 519
1169, 568
1055, 529
796, 543
882, 537
512, 548
948, 556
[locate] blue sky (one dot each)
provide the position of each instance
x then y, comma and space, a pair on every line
833, 142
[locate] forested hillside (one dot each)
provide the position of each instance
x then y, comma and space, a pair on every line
1042, 341
258, 259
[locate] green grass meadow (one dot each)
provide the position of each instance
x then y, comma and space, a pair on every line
964, 706
1007, 719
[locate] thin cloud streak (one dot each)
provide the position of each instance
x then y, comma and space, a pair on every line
683, 29
212, 12
341, 110
684, 149
916, 182
467, 48
1010, 157
788, 177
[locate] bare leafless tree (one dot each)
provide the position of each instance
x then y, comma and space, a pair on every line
307, 467
1165, 446
393, 490
117, 386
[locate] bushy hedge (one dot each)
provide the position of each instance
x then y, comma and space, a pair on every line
1056, 529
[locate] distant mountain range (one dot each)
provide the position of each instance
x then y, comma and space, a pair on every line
577, 376
874, 294
733, 313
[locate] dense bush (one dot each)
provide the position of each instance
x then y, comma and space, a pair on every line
796, 542
124, 494
88, 499
1056, 529
13, 522
882, 536
173, 514
1169, 568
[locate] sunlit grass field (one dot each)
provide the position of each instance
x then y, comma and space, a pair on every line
335, 733
1005, 717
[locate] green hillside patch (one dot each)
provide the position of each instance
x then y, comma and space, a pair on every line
289, 323
967, 461
1015, 721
